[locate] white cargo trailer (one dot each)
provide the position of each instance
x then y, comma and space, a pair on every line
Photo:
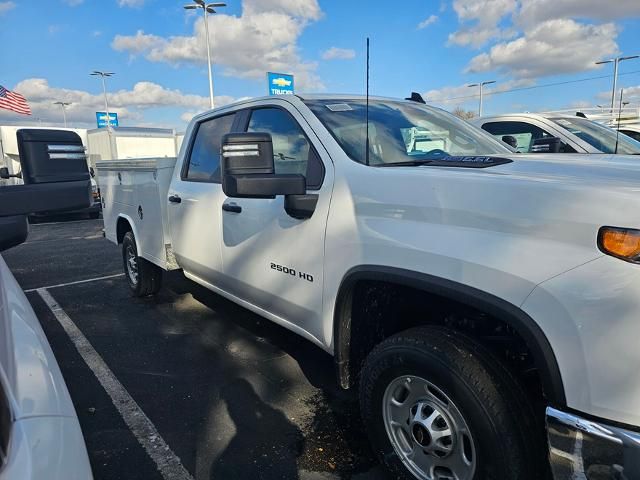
130, 142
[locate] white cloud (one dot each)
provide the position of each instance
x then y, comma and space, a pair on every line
264, 38
53, 29
551, 48
129, 104
131, 3
463, 93
631, 94
485, 17
96, 33
428, 21
73, 3
335, 53
307, 9
536, 11
6, 6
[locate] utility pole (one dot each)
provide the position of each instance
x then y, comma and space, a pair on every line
207, 8
616, 61
481, 84
64, 113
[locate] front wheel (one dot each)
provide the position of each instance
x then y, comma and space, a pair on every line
438, 406
144, 278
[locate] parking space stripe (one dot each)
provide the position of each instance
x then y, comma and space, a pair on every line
49, 287
142, 428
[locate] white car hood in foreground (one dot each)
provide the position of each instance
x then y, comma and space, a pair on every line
28, 369
46, 441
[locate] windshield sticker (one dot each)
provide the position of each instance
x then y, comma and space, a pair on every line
339, 107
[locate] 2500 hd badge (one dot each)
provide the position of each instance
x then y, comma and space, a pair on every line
292, 271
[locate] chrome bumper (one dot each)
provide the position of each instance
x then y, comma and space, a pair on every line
581, 449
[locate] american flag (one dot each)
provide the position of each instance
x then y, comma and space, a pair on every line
13, 101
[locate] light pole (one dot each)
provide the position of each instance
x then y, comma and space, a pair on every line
64, 113
102, 75
615, 62
207, 8
481, 84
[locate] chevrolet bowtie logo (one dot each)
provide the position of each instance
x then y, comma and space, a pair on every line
281, 82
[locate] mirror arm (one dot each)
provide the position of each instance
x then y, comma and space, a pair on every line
301, 207
4, 174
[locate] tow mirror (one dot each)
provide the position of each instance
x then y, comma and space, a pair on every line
510, 140
54, 172
248, 168
546, 145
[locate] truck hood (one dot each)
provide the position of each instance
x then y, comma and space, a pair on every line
594, 168
502, 218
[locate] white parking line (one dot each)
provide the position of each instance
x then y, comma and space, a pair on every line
95, 279
145, 432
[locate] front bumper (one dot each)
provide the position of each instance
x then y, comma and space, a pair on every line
583, 449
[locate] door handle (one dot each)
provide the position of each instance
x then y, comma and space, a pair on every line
231, 207
175, 199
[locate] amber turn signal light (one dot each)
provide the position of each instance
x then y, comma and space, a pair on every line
623, 243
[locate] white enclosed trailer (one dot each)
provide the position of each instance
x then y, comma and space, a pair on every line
130, 142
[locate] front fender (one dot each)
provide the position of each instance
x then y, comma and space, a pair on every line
590, 316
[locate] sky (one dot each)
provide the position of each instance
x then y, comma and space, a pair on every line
541, 53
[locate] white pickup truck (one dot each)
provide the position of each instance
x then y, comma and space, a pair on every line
485, 303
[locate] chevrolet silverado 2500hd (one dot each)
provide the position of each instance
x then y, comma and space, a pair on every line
485, 303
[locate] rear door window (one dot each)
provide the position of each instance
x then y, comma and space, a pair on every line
204, 158
524, 133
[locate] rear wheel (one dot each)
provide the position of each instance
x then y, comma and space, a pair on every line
438, 406
144, 278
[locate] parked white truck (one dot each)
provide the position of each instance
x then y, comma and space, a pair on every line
485, 303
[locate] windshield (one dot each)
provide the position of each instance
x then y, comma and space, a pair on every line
599, 136
401, 132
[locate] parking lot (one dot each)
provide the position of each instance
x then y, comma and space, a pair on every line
186, 384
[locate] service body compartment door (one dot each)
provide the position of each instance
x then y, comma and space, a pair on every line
270, 259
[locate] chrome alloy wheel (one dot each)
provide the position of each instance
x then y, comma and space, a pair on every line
132, 265
427, 431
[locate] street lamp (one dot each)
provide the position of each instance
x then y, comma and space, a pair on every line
102, 75
615, 62
207, 8
481, 84
64, 113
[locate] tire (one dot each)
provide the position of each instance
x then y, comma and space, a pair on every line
144, 278
432, 381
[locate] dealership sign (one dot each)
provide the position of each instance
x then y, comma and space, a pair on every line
280, 83
101, 118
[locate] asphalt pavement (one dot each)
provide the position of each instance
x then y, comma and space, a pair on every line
231, 395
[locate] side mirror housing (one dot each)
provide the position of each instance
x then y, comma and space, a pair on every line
51, 156
54, 172
546, 145
510, 140
248, 169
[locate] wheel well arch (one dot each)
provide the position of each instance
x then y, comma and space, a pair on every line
449, 291
124, 225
